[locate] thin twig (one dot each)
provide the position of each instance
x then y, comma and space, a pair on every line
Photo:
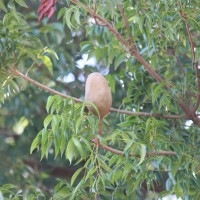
121, 153
198, 81
180, 65
127, 26
144, 114
195, 62
18, 73
189, 35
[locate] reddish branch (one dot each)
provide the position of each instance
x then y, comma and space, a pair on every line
18, 73
127, 26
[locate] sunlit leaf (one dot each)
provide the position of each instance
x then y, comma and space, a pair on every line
75, 175
47, 61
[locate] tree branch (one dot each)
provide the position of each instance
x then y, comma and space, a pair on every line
18, 73
198, 82
195, 62
144, 114
140, 59
134, 52
127, 26
184, 16
121, 153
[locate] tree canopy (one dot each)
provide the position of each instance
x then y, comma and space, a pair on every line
148, 51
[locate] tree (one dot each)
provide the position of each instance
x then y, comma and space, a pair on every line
149, 52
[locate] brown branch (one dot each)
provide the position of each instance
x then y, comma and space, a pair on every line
139, 58
134, 52
198, 82
144, 114
184, 16
195, 62
18, 73
148, 67
121, 153
127, 26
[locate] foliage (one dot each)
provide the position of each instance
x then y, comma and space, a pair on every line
149, 52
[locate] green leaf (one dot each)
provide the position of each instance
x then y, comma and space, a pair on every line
52, 52
61, 12
22, 3
55, 123
178, 191
86, 46
91, 172
50, 101
118, 60
67, 19
57, 142
77, 16
175, 168
142, 153
33, 55
47, 120
2, 6
156, 92
36, 142
111, 81
113, 160
90, 104
128, 145
47, 61
78, 123
70, 151
78, 146
76, 189
165, 193
75, 175
86, 143
44, 143
1, 97
8, 186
